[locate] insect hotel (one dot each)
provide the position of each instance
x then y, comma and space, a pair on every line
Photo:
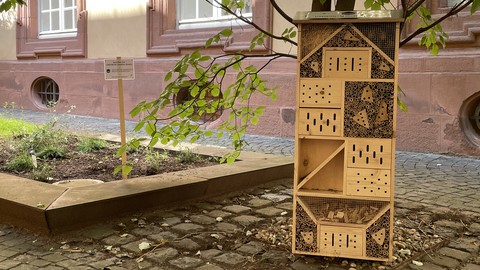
345, 133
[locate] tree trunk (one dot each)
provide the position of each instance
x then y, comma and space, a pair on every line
341, 5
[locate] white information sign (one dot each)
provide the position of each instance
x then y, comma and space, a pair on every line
116, 69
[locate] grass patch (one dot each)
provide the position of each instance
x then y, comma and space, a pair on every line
9, 127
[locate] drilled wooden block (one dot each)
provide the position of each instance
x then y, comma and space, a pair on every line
368, 182
321, 93
351, 63
341, 241
325, 122
369, 153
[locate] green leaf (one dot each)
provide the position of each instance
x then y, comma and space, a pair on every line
226, 32
150, 129
208, 42
254, 120
208, 133
434, 49
475, 6
121, 150
168, 76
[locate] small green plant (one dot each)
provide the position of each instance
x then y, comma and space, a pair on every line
89, 144
22, 162
154, 160
188, 156
51, 152
42, 138
43, 173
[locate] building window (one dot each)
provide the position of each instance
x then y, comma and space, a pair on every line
200, 13
57, 18
45, 92
52, 29
167, 37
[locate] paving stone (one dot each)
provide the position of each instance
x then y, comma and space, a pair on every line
14, 242
202, 219
8, 264
25, 258
149, 229
187, 227
226, 227
102, 264
133, 246
465, 244
39, 263
186, 244
209, 253
119, 240
269, 211
236, 208
8, 253
172, 221
455, 253
276, 198
161, 255
251, 248
302, 265
186, 262
209, 266
247, 220
29, 267
285, 206
163, 236
68, 264
450, 224
219, 213
98, 232
426, 266
230, 258
54, 258
256, 202
474, 228
442, 261
470, 266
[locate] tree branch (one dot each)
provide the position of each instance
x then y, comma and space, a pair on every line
247, 21
281, 12
456, 9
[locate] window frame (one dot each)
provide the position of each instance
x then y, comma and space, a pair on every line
217, 19
164, 37
62, 31
31, 46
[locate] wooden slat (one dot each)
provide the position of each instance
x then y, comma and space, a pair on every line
369, 153
320, 93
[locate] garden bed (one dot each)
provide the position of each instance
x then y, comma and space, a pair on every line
50, 155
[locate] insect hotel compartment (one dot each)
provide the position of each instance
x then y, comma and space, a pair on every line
341, 227
321, 166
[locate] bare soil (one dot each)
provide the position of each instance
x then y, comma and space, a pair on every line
100, 164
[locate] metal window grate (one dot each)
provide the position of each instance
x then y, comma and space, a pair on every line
46, 92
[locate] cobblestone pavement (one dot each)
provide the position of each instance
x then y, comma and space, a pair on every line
437, 225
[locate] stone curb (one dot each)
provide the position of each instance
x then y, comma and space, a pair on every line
47, 209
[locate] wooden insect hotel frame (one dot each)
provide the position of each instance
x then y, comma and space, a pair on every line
345, 134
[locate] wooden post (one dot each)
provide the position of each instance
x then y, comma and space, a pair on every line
122, 125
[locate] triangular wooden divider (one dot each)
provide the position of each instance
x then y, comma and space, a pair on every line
307, 210
322, 44
319, 167
373, 45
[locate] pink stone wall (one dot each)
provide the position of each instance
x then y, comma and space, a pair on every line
436, 87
